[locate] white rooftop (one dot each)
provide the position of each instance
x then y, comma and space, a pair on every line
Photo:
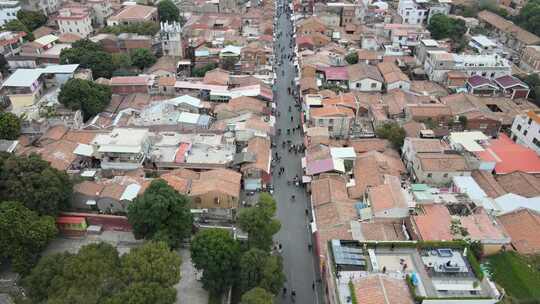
195, 102
47, 39
483, 40
467, 184
430, 42
26, 77
468, 140
190, 118
130, 192
127, 140
342, 153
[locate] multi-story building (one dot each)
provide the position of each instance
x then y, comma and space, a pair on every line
101, 9
8, 11
526, 130
421, 11
75, 20
122, 149
47, 7
171, 39
337, 119
10, 43
530, 59
439, 63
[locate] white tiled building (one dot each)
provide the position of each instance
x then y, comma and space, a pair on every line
420, 11
75, 20
47, 7
102, 10
526, 130
8, 11
439, 63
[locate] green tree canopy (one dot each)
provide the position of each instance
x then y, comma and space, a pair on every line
161, 213
259, 222
142, 58
33, 182
228, 63
393, 132
168, 11
121, 61
17, 26
96, 274
442, 26
91, 98
257, 295
533, 81
89, 55
200, 72
529, 17
352, 58
31, 19
10, 126
24, 234
259, 268
147, 28
215, 252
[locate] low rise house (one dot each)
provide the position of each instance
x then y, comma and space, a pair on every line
519, 224
132, 13
394, 78
10, 43
481, 86
364, 77
75, 20
337, 119
125, 85
530, 59
512, 87
256, 174
438, 168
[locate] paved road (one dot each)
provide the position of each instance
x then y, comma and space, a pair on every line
294, 234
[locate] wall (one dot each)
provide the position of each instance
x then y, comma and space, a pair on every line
108, 222
365, 85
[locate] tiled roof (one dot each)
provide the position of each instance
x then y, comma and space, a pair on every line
478, 81
523, 225
439, 162
336, 73
391, 72
331, 111
434, 110
387, 196
487, 182
89, 188
361, 71
382, 289
434, 224
509, 81
369, 144
134, 12
261, 148
510, 157
506, 26
520, 183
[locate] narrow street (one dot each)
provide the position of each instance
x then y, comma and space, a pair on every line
294, 235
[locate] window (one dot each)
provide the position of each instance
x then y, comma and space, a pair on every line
525, 133
483, 126
518, 127
330, 129
321, 121
373, 85
492, 75
331, 121
445, 175
536, 142
529, 121
429, 175
358, 85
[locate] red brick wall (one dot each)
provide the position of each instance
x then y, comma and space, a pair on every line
107, 222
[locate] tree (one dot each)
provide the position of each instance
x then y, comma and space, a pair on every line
89, 97
442, 26
33, 182
24, 235
161, 213
259, 268
228, 63
393, 132
121, 61
533, 81
257, 295
259, 222
89, 55
17, 26
10, 126
142, 58
352, 58
96, 274
215, 252
155, 256
528, 17
147, 28
200, 72
168, 11
31, 19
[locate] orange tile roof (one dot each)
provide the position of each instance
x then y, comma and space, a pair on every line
331, 111
439, 162
523, 225
387, 196
521, 183
369, 144
434, 224
510, 156
216, 77
261, 148
382, 289
167, 81
328, 189
487, 182
89, 188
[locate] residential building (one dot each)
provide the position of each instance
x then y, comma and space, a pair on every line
510, 34
172, 43
75, 20
406, 35
364, 77
530, 59
512, 87
10, 43
439, 63
132, 13
519, 224
421, 11
483, 45
125, 85
394, 78
47, 7
8, 11
526, 130
481, 86
438, 168
338, 120
122, 149
101, 9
